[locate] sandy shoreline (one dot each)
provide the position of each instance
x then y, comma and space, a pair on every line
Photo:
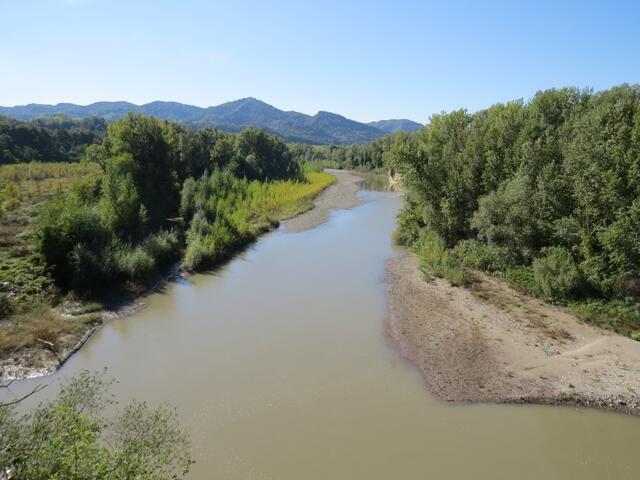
340, 195
492, 344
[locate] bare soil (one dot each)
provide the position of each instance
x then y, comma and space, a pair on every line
489, 343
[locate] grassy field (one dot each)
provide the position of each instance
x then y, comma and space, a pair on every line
286, 198
26, 290
25, 186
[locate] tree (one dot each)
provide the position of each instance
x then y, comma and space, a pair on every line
70, 438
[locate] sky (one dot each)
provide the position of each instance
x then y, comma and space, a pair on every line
367, 60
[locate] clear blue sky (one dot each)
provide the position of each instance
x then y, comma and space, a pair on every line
364, 59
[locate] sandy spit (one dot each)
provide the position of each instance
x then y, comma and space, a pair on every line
489, 343
340, 195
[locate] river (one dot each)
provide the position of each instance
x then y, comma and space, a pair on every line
281, 369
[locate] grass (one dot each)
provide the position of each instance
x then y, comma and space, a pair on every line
31, 327
25, 285
228, 220
437, 261
284, 199
621, 316
25, 186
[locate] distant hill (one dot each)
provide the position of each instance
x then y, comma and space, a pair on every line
396, 125
321, 128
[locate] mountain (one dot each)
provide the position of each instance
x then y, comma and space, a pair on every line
321, 128
396, 125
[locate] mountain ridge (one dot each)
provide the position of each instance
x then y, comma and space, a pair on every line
322, 128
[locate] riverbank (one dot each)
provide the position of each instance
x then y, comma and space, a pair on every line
490, 343
340, 195
53, 349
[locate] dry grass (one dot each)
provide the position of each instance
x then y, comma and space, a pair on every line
526, 310
41, 324
25, 186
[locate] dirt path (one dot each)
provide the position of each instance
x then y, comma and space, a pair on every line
492, 344
340, 195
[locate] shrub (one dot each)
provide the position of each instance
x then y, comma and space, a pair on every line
522, 279
163, 246
134, 263
556, 274
62, 225
6, 306
408, 231
489, 258
194, 255
620, 316
437, 261
86, 268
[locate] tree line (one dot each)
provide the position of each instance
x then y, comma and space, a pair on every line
360, 156
50, 139
123, 224
545, 193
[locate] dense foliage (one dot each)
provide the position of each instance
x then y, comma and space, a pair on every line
70, 438
224, 212
123, 225
546, 193
53, 139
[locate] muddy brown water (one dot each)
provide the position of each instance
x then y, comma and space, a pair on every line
280, 368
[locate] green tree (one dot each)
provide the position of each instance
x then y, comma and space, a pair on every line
70, 438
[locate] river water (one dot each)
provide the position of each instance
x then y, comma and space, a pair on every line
280, 368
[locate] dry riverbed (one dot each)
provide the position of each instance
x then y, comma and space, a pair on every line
489, 343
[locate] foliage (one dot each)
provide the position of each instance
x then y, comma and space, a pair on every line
556, 274
225, 213
437, 261
486, 257
522, 279
56, 139
124, 227
369, 156
69, 438
544, 193
618, 315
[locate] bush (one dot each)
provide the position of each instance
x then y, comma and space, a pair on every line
620, 316
69, 437
522, 279
163, 246
6, 306
408, 230
556, 274
86, 268
489, 258
62, 225
437, 261
134, 263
